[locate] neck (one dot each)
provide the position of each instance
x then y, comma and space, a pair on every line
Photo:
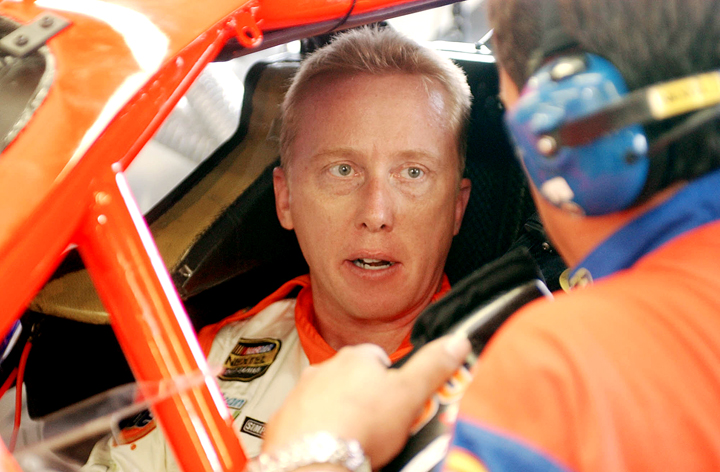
576, 237
347, 330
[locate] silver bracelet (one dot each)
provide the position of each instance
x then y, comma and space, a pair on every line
316, 448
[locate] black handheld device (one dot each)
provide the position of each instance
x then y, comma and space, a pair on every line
476, 307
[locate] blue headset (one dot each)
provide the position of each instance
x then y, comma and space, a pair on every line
578, 131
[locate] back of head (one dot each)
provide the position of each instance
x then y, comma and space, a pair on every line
377, 51
648, 41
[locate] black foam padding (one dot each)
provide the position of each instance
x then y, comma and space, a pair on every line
500, 200
70, 361
509, 271
476, 308
535, 240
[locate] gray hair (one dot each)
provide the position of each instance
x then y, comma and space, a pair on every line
379, 51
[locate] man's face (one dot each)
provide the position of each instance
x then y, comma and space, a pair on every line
373, 193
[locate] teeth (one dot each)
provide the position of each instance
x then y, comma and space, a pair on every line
372, 264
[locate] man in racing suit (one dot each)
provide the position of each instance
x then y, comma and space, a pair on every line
372, 157
623, 372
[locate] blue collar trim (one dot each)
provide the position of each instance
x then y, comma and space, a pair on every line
694, 205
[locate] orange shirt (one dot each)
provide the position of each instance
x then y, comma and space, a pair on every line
622, 375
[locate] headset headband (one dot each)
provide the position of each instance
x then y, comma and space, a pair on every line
578, 129
654, 103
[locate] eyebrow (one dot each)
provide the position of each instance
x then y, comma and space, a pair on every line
335, 152
420, 154
413, 154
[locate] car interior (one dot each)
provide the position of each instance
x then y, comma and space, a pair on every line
225, 250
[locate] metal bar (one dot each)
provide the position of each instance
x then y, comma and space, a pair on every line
153, 329
38, 249
275, 37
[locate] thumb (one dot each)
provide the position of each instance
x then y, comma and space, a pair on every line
433, 364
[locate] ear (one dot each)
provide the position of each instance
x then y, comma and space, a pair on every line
461, 202
282, 197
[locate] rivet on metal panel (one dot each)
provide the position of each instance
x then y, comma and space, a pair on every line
102, 198
185, 271
46, 22
21, 40
248, 32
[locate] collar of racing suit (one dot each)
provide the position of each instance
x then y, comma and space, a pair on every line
315, 347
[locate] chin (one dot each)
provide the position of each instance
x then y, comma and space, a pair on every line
380, 309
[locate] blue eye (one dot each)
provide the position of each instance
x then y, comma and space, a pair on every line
341, 170
413, 172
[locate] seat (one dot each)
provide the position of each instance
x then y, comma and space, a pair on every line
501, 214
500, 201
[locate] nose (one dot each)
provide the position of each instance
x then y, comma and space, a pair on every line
376, 210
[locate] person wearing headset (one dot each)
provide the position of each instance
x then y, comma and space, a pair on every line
614, 107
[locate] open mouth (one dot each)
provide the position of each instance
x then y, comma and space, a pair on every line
372, 264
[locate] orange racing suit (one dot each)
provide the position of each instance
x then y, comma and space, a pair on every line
263, 352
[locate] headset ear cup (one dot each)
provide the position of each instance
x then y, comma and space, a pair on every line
604, 176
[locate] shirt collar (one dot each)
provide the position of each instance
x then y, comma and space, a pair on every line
694, 205
316, 348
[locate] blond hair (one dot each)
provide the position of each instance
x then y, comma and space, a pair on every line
378, 51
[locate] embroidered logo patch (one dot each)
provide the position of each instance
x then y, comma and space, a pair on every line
253, 427
250, 359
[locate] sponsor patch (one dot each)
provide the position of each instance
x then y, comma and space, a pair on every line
134, 428
253, 427
250, 359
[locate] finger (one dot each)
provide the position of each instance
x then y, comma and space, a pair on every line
372, 351
434, 364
